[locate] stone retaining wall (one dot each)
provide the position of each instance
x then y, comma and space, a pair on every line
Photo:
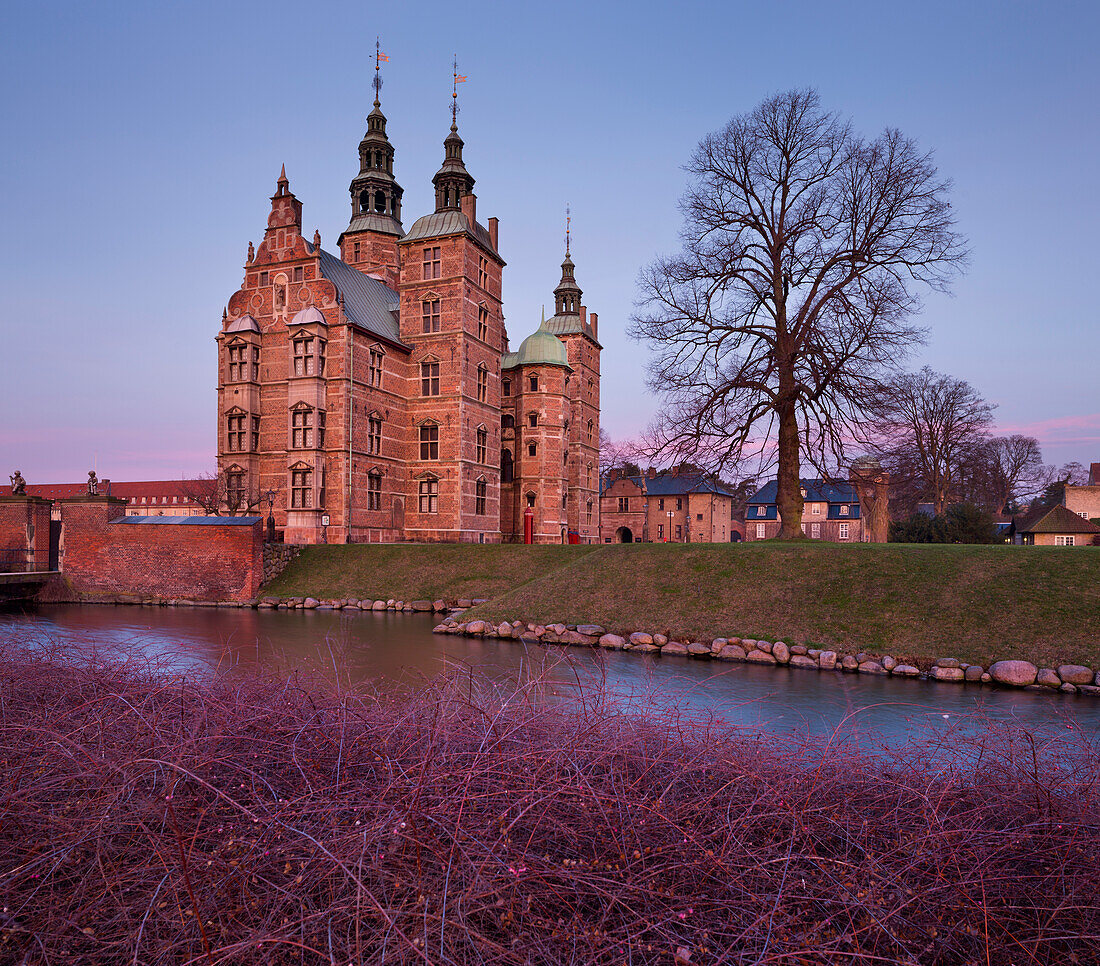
1067, 678
277, 557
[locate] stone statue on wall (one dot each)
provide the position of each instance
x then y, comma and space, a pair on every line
93, 483
18, 484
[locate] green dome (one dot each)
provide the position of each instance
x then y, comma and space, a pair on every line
540, 347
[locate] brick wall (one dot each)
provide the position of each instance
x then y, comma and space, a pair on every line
1084, 501
24, 533
105, 553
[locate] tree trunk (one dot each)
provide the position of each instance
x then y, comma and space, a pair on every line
788, 497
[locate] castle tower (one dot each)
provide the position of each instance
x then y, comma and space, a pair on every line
577, 331
370, 240
450, 285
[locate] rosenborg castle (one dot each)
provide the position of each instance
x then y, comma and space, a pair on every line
371, 395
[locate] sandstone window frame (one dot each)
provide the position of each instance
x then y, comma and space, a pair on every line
532, 420
428, 437
301, 486
588, 513
374, 433
306, 429
375, 365
481, 445
307, 354
532, 449
428, 493
531, 498
255, 448
429, 376
374, 489
533, 382
432, 262
482, 272
483, 322
624, 504
482, 383
236, 431
481, 491
431, 317
236, 486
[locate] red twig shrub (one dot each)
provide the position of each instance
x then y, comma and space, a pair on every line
148, 820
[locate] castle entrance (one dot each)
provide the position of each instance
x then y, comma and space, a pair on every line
623, 535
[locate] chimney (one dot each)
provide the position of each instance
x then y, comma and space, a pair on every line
675, 471
651, 473
493, 224
584, 315
468, 204
595, 318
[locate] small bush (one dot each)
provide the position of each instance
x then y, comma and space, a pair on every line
148, 820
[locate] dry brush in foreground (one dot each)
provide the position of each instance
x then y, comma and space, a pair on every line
153, 820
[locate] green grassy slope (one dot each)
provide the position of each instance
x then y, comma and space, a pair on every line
417, 571
975, 603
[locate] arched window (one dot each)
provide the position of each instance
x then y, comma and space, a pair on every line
507, 470
379, 201
530, 499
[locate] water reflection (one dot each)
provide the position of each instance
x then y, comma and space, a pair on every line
399, 651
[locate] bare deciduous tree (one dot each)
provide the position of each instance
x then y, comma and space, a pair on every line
803, 245
214, 495
1014, 467
931, 423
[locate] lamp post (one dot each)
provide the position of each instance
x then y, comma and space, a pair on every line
270, 516
668, 539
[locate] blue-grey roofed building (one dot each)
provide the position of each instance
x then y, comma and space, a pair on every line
831, 511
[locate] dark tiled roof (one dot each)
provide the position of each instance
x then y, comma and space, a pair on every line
367, 302
449, 222
817, 491
1057, 519
668, 485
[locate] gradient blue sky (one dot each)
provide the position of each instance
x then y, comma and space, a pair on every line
141, 143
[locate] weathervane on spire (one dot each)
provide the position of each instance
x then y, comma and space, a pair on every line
458, 79
378, 58
567, 220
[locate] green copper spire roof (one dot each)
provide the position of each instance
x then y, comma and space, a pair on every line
541, 347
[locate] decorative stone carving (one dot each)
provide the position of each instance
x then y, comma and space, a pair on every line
93, 483
18, 484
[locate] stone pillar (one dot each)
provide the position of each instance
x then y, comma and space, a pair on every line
25, 533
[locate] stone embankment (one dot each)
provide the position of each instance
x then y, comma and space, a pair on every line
277, 557
1066, 678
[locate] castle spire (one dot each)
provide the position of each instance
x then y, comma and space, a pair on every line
567, 296
452, 181
375, 193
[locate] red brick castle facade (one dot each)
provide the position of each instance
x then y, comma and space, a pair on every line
373, 397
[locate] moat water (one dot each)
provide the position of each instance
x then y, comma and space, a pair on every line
399, 651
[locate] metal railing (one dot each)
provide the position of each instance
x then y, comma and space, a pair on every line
19, 560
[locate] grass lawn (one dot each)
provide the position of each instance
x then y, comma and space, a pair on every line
913, 601
418, 571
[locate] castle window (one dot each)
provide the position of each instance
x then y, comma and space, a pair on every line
309, 356
534, 383
679, 503
298, 273
483, 323
482, 384
532, 449
530, 499
301, 429
255, 363
301, 489
374, 435
429, 442
375, 367
255, 434
624, 504
380, 201
507, 469
480, 491
234, 489
238, 369
355, 257
588, 513
482, 445
532, 419
429, 378
506, 387
507, 421
429, 495
265, 278
236, 437
433, 265
374, 490
590, 427
430, 308
482, 271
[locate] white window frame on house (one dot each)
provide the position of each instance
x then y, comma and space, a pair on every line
761, 531
815, 531
844, 509
1064, 541
842, 533
815, 509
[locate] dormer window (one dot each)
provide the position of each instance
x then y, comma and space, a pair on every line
844, 510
